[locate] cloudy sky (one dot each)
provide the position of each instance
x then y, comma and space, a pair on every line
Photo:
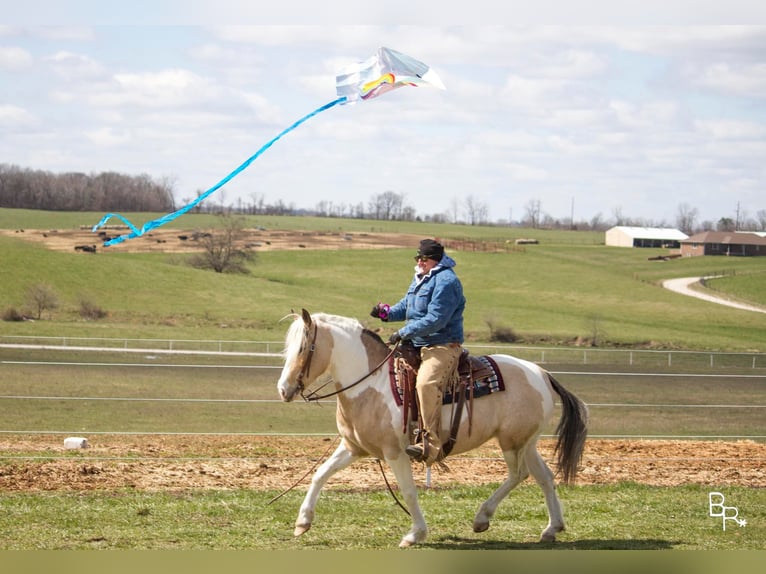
599, 119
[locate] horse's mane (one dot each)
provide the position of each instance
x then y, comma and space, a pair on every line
296, 332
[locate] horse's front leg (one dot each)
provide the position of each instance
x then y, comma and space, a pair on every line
339, 460
402, 468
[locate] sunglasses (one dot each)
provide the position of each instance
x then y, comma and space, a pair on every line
421, 258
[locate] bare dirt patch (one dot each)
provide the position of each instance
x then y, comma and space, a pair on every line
152, 463
187, 241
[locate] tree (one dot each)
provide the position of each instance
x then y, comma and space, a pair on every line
42, 297
476, 211
534, 210
387, 205
686, 218
726, 224
221, 250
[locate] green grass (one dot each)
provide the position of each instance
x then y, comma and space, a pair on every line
627, 516
225, 395
750, 288
553, 293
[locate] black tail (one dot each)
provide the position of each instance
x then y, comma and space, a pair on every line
571, 431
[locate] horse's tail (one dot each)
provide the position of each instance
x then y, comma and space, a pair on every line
571, 431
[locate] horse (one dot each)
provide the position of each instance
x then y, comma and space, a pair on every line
369, 419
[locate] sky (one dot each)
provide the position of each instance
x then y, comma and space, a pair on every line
585, 119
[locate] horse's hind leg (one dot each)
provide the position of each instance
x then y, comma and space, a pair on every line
339, 460
544, 477
517, 471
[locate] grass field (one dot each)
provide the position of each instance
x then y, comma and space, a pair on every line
567, 289
628, 516
118, 392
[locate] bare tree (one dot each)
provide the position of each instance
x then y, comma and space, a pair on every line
42, 297
454, 210
686, 218
534, 211
222, 251
387, 205
476, 211
761, 219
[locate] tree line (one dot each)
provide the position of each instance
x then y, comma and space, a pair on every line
25, 188
109, 191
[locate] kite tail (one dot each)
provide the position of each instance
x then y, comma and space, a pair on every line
153, 224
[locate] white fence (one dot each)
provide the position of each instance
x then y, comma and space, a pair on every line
543, 355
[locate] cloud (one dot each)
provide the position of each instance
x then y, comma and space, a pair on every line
15, 118
739, 79
14, 59
73, 67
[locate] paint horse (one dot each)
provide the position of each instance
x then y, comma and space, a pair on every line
369, 419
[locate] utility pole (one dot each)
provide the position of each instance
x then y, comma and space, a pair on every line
571, 217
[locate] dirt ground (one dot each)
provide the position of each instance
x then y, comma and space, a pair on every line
188, 241
177, 462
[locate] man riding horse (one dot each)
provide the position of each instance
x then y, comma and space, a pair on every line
433, 310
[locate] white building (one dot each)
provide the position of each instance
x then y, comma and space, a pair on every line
622, 236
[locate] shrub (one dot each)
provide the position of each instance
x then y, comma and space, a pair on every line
12, 314
501, 334
90, 310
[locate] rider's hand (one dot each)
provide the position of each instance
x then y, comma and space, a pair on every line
395, 338
380, 311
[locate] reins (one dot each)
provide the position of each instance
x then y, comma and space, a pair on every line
314, 396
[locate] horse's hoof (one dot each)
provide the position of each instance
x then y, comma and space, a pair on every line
549, 534
301, 529
480, 526
548, 538
406, 543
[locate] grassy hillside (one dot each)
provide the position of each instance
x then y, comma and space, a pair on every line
566, 288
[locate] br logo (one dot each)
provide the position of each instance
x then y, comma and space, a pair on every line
716, 502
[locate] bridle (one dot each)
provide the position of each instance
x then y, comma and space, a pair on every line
304, 372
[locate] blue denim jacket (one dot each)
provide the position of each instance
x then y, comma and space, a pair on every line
433, 307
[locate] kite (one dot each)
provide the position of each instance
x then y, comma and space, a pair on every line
384, 71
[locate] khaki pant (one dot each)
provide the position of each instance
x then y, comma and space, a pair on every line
438, 364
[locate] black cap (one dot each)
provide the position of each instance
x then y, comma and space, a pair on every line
431, 249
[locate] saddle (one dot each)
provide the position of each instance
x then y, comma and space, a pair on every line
473, 377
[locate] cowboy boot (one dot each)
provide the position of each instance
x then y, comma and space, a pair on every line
430, 403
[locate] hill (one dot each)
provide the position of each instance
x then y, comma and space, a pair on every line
566, 290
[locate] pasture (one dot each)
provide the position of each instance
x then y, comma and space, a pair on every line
567, 290
188, 450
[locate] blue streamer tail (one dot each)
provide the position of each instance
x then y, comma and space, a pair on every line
153, 224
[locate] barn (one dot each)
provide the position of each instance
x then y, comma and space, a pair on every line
738, 243
623, 236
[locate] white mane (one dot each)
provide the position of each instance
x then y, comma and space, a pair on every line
296, 334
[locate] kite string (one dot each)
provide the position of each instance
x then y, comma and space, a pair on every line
149, 225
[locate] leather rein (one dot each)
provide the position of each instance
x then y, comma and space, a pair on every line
313, 395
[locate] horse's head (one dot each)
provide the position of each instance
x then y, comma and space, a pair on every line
306, 356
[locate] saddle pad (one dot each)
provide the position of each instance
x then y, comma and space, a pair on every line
481, 387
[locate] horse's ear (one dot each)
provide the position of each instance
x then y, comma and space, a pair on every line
306, 317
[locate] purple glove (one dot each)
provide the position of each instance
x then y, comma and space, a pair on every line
380, 311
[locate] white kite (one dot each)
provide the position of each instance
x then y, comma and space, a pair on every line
383, 72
